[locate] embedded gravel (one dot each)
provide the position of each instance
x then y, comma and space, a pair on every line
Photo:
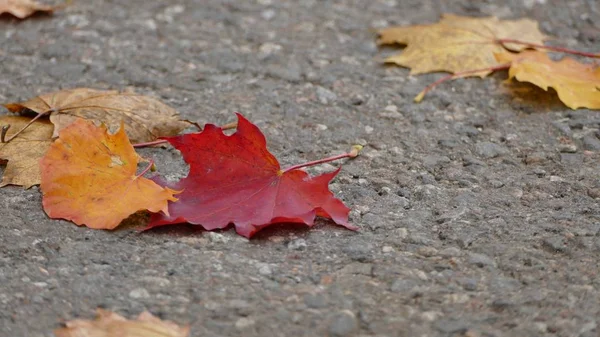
478, 208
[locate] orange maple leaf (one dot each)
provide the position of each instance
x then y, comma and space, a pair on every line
89, 177
577, 84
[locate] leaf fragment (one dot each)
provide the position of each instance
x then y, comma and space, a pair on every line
89, 177
23, 8
145, 118
458, 43
235, 179
24, 152
577, 84
110, 324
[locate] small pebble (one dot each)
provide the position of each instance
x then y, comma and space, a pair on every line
430, 316
325, 96
265, 270
539, 172
321, 127
387, 249
217, 237
401, 233
385, 190
481, 260
496, 183
315, 301
357, 100
267, 49
567, 148
594, 193
268, 14
489, 150
139, 293
244, 323
591, 143
450, 252
403, 285
555, 245
298, 244
469, 284
427, 251
342, 324
535, 158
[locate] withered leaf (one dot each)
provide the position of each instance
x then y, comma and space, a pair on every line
110, 324
23, 8
577, 84
145, 118
458, 43
24, 152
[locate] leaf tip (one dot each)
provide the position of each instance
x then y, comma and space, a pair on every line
355, 151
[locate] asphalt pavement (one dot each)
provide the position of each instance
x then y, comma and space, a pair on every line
478, 208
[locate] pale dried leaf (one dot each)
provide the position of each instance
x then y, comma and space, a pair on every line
23, 8
145, 118
24, 152
457, 43
110, 324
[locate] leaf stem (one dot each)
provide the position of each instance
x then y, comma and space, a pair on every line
155, 142
3, 133
150, 165
6, 127
430, 87
229, 126
557, 49
352, 154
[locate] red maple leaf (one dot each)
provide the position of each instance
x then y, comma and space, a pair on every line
235, 179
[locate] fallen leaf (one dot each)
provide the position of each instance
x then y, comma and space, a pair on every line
577, 84
110, 324
145, 118
235, 179
458, 43
24, 152
23, 8
89, 177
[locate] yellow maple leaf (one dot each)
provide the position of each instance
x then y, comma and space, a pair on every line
89, 177
577, 84
110, 324
458, 43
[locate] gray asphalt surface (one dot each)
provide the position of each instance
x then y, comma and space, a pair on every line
478, 208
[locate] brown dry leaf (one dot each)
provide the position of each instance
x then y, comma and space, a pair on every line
23, 8
145, 118
577, 84
110, 324
458, 43
24, 152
